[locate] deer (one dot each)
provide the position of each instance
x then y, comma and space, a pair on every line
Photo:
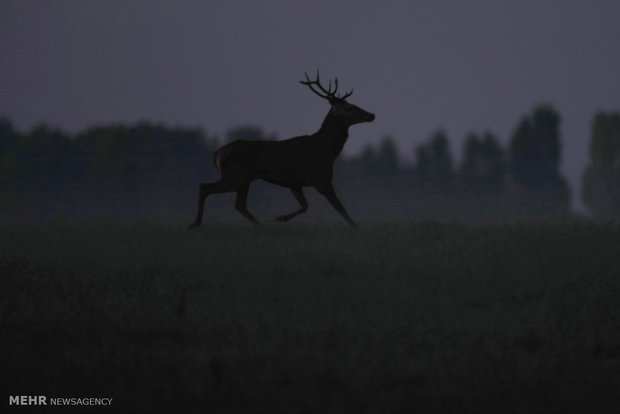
295, 163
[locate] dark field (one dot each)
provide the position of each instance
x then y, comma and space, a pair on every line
301, 318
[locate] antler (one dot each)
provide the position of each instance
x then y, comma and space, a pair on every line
328, 93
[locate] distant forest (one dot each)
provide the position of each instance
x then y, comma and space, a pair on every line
146, 172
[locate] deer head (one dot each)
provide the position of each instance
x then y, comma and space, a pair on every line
342, 109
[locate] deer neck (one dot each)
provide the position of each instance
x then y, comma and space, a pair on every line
334, 131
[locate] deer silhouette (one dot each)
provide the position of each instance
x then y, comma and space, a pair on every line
295, 163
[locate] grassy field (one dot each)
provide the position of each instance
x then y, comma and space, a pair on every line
302, 318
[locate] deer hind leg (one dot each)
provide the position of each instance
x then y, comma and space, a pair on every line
206, 189
330, 194
303, 205
241, 204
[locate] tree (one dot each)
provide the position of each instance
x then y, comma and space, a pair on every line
8, 143
7, 136
387, 157
536, 187
10, 164
248, 133
105, 150
601, 179
40, 170
483, 168
378, 165
534, 152
434, 164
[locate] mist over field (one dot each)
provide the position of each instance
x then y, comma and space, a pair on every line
300, 317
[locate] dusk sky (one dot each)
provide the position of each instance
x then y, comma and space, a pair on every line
420, 66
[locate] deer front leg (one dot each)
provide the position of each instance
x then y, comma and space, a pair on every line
303, 203
328, 191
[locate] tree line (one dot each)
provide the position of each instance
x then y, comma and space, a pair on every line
150, 171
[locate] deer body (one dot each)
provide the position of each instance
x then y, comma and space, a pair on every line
295, 163
284, 163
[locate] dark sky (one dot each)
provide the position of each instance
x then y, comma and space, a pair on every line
463, 66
